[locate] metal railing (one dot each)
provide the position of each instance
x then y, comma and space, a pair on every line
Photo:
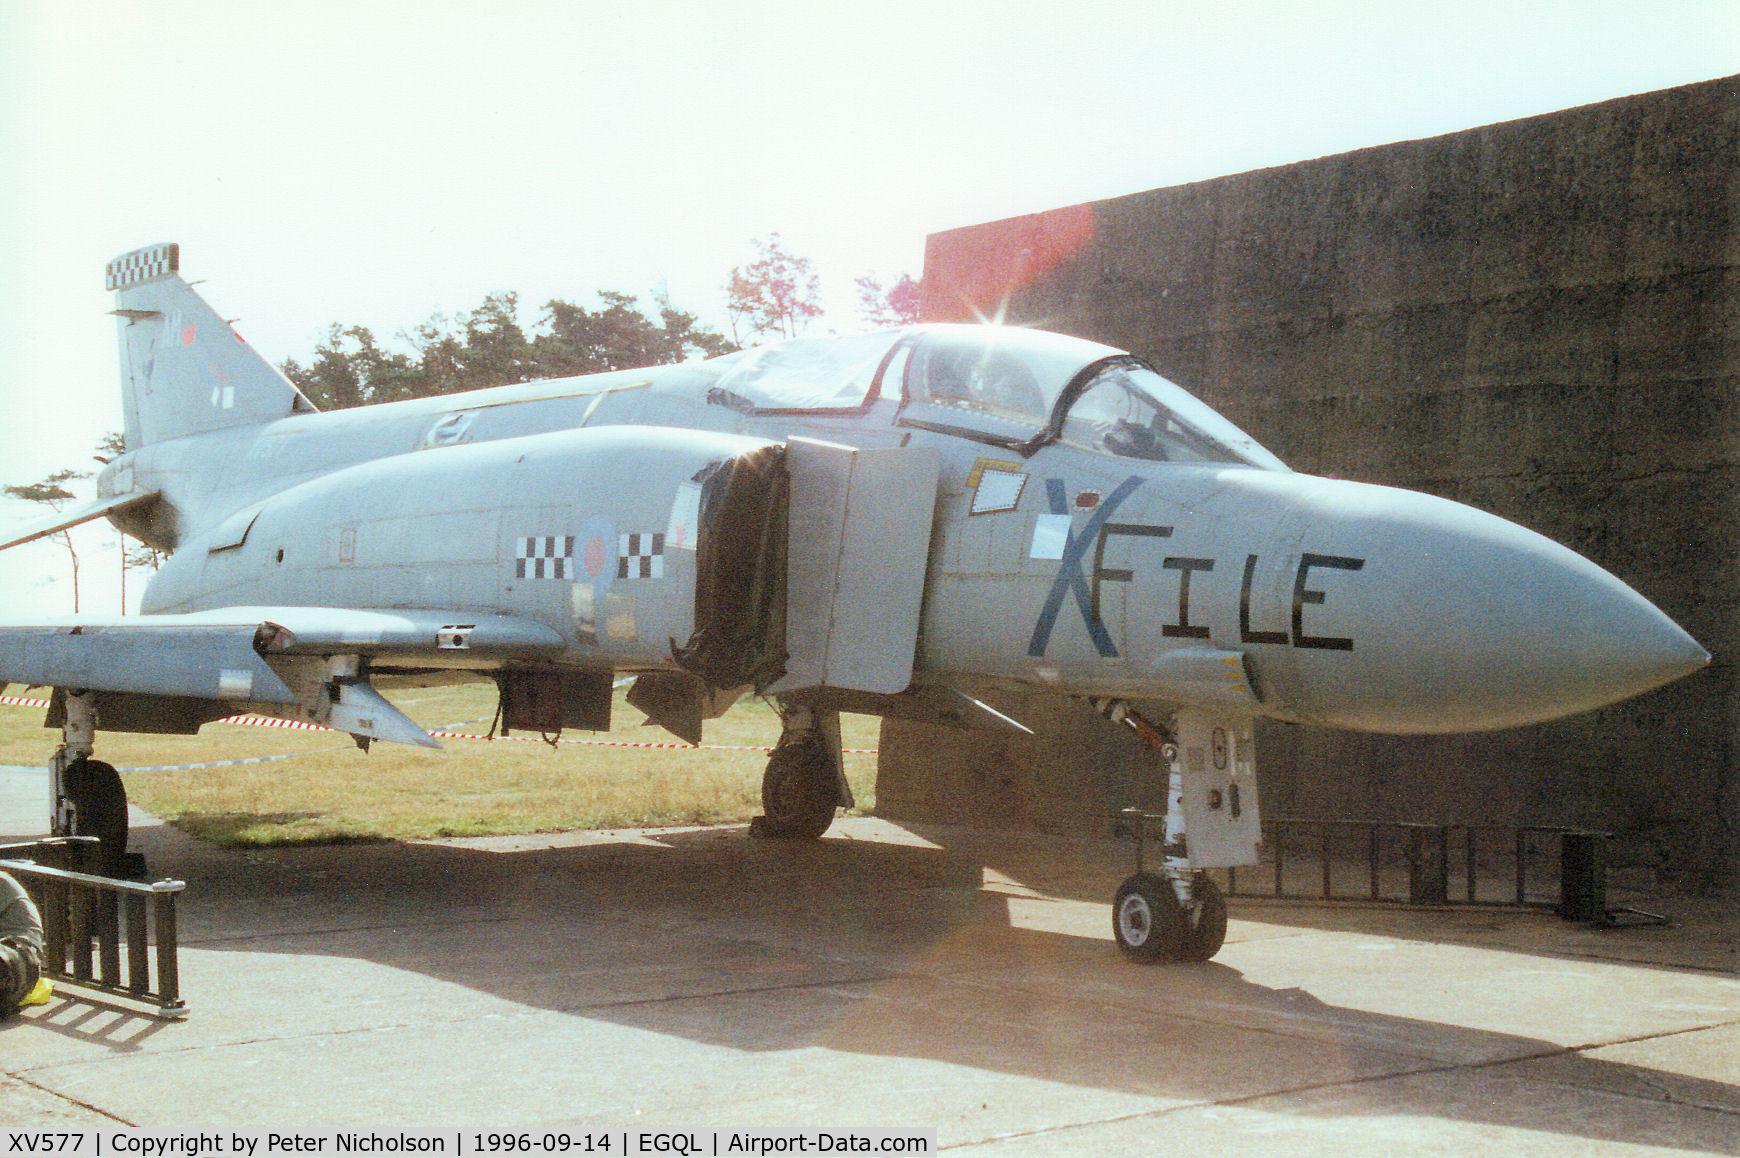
110, 936
1431, 864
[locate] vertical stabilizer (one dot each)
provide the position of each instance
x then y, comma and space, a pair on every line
183, 370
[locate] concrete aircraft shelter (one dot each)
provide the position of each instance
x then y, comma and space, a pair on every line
1540, 318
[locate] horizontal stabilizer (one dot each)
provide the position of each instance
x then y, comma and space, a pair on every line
64, 520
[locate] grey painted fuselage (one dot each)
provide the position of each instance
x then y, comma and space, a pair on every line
1235, 583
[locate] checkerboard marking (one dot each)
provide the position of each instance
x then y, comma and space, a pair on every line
640, 556
142, 265
545, 557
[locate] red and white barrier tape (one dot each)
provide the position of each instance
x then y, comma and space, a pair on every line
300, 725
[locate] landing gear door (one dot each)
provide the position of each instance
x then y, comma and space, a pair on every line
1218, 756
857, 543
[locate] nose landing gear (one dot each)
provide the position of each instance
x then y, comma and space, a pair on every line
1151, 923
1178, 913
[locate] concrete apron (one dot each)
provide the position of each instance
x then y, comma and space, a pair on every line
885, 976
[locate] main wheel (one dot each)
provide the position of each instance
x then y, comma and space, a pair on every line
1147, 921
799, 791
99, 804
1204, 924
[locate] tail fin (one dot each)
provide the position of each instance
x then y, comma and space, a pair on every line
183, 370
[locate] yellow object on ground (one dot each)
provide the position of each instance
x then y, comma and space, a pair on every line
40, 995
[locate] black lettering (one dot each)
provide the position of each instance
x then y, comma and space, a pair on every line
1246, 635
1117, 574
1302, 595
1183, 628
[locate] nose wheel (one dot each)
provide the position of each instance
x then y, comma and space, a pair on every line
1146, 917
1151, 924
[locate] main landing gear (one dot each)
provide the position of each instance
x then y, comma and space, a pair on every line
803, 784
1176, 914
87, 797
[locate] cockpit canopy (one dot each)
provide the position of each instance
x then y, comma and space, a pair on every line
1012, 387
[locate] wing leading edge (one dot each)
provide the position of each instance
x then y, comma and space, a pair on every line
171, 672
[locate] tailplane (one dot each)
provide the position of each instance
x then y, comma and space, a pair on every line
183, 370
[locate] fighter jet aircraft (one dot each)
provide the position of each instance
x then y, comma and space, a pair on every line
897, 523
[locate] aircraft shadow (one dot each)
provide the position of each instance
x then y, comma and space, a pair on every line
883, 949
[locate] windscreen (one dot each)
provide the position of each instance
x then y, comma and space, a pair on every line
1130, 411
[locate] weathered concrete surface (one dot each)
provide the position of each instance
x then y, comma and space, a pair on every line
1539, 318
938, 977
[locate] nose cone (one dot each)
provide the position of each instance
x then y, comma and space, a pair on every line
1472, 622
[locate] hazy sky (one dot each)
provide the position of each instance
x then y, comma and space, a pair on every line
375, 163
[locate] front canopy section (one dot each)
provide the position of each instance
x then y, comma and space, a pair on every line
1025, 389
1122, 407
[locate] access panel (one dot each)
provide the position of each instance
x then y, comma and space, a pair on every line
1217, 755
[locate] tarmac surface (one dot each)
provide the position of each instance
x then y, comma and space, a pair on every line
888, 976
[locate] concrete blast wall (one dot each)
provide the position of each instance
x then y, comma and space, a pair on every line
1538, 318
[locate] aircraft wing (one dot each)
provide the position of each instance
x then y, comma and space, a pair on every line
390, 633
62, 520
269, 657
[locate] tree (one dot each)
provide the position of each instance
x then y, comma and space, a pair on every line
898, 305
685, 337
110, 447
776, 295
619, 337
486, 347
489, 347
55, 496
350, 369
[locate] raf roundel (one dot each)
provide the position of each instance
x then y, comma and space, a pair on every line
597, 553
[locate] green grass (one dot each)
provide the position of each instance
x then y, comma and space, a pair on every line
321, 788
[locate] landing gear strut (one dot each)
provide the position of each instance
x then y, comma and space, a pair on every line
86, 795
1177, 914
803, 784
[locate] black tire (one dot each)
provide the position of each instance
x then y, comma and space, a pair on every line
1147, 921
799, 791
1204, 927
99, 802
